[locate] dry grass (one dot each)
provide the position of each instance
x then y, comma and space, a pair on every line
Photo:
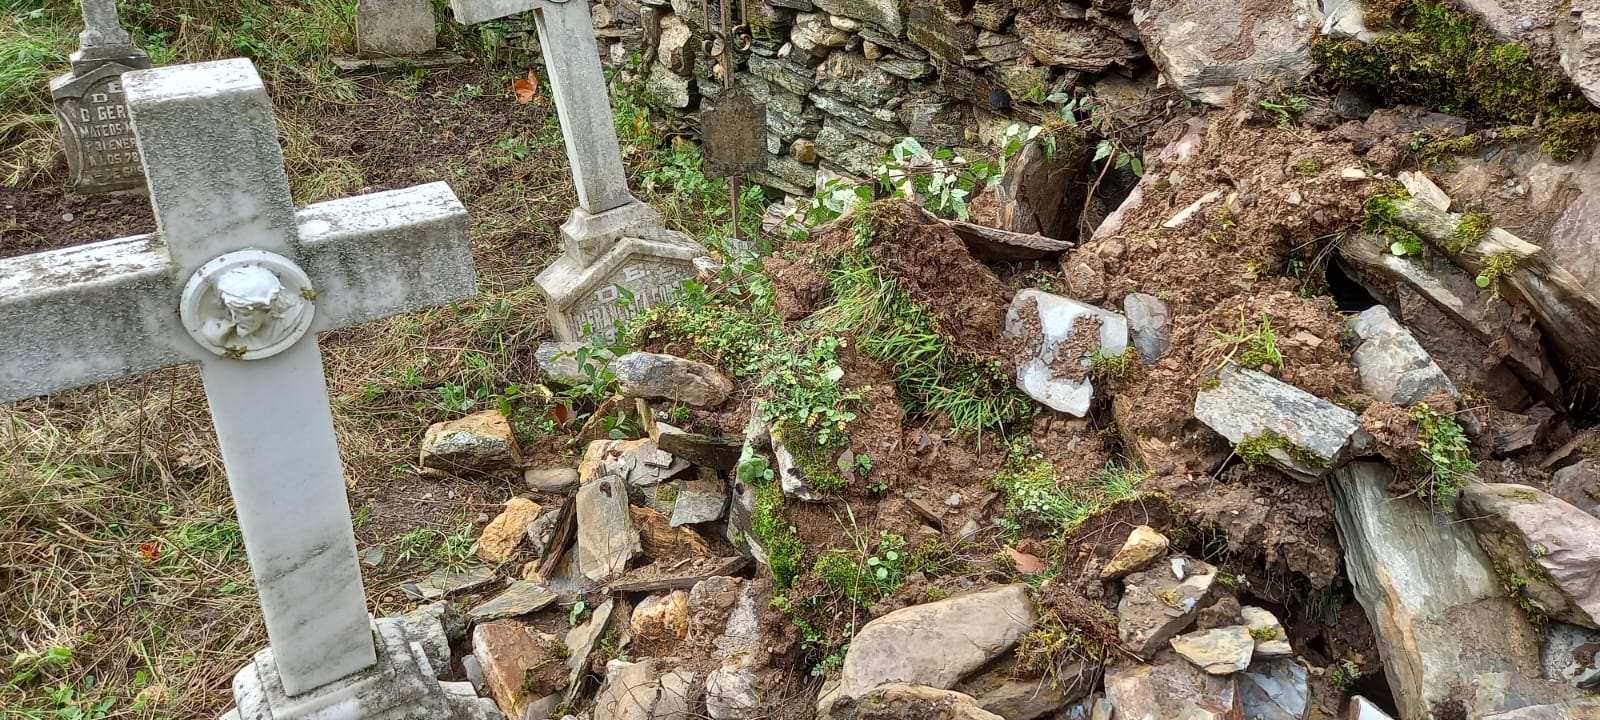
124, 590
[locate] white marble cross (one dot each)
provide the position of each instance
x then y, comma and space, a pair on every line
611, 240
238, 281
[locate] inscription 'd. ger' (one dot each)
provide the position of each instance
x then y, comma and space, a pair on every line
99, 142
650, 281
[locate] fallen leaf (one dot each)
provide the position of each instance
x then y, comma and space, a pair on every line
526, 89
1025, 563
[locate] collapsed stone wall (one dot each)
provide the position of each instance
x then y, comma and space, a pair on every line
843, 79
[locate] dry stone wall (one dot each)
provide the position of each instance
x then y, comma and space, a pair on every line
843, 79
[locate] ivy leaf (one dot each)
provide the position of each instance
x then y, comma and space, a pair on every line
1103, 150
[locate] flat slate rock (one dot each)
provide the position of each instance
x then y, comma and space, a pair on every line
443, 582
1250, 405
519, 598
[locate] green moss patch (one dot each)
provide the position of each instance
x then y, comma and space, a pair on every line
1442, 58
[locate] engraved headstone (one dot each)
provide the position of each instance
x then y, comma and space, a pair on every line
240, 283
616, 248
393, 34
734, 133
395, 28
89, 104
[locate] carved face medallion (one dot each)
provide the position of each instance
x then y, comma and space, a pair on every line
248, 305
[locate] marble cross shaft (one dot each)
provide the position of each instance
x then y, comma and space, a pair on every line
606, 210
239, 282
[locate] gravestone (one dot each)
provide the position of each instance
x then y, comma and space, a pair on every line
238, 281
89, 105
614, 247
396, 33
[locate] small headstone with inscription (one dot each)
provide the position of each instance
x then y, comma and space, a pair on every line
396, 33
89, 106
619, 258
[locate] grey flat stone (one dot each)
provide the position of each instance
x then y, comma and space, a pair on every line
1393, 365
703, 450
519, 598
701, 500
443, 582
1270, 639
552, 480
1551, 545
1150, 324
1157, 604
607, 539
1247, 404
1275, 690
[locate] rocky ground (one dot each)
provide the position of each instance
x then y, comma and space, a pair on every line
1295, 421
1298, 430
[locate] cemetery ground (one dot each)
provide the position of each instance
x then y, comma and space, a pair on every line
876, 360
122, 571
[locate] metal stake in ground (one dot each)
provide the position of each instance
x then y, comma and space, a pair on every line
239, 282
616, 247
733, 129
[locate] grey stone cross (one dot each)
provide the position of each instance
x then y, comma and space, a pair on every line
89, 107
238, 281
612, 242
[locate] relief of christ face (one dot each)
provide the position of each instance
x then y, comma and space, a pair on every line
257, 310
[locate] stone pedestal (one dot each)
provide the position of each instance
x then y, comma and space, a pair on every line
616, 263
404, 684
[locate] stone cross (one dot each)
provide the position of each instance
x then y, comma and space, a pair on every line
89, 106
238, 281
613, 243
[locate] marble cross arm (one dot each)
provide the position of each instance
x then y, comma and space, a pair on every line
93, 313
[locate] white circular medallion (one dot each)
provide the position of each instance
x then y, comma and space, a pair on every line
248, 305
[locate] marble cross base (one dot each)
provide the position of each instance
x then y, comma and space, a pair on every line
626, 254
404, 685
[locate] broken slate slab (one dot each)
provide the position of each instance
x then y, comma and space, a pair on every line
443, 582
1219, 651
703, 450
1393, 366
791, 475
1055, 364
1170, 688
1439, 613
519, 598
1150, 324
570, 363
607, 539
1303, 434
665, 377
1275, 690
701, 500
1161, 602
1551, 546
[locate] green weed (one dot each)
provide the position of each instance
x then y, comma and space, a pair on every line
1444, 454
434, 548
1496, 267
1255, 345
1345, 675
1036, 494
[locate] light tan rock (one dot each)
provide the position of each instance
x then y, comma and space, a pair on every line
1222, 651
501, 537
1271, 641
662, 620
937, 643
481, 443
1144, 546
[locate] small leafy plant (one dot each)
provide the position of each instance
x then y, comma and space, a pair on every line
1443, 453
